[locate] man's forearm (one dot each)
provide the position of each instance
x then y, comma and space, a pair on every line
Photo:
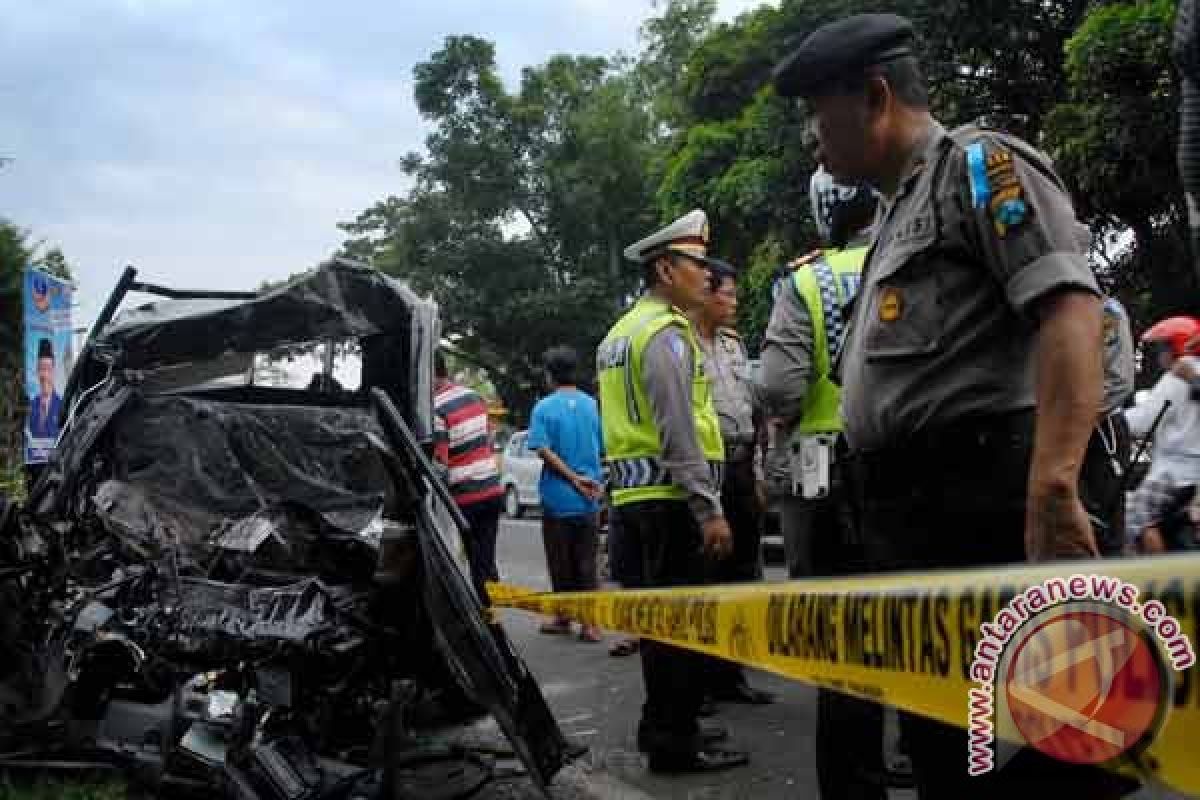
1068, 399
556, 464
1069, 381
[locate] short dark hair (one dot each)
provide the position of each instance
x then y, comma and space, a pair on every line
563, 364
907, 80
650, 277
902, 74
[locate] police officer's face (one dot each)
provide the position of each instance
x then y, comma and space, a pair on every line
688, 282
723, 303
841, 126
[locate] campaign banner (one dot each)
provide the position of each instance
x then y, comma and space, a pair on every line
48, 359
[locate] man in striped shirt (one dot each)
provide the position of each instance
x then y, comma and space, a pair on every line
463, 445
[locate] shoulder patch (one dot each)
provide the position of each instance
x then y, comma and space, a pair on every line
992, 174
678, 347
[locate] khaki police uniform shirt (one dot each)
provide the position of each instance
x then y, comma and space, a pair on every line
667, 379
943, 327
734, 394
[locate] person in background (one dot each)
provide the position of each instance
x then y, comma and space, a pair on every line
799, 350
1173, 342
565, 433
463, 445
1109, 452
737, 404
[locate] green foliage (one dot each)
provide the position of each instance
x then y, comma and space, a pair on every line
65, 788
520, 206
524, 198
1113, 139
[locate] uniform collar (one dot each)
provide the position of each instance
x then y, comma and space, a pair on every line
653, 299
923, 154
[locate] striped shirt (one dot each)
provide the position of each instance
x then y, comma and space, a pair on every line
463, 444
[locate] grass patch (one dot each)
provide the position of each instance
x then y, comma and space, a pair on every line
54, 787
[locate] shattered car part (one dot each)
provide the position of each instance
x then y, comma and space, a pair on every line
219, 586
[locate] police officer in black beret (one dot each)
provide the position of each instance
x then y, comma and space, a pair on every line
971, 367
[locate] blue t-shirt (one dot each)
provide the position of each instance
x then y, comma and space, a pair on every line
568, 423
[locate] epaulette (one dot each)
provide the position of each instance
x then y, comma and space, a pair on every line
804, 260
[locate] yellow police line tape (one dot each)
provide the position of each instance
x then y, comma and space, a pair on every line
904, 639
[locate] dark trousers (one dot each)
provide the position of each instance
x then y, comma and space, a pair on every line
959, 501
740, 504
849, 731
483, 521
570, 544
1109, 456
670, 547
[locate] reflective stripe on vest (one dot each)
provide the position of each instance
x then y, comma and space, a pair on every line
634, 473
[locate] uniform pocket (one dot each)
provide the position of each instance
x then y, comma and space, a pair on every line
905, 315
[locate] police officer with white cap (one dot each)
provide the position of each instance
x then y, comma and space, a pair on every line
663, 443
971, 369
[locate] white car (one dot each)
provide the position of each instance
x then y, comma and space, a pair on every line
520, 471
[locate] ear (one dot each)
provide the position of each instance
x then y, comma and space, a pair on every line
878, 96
662, 266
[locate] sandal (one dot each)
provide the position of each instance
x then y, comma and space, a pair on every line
625, 647
554, 627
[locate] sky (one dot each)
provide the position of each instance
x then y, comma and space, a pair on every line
217, 144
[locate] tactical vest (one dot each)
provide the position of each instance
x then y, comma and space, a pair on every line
631, 441
826, 287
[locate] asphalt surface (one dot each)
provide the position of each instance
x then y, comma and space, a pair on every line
597, 700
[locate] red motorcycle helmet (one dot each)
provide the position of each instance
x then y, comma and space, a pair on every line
1180, 334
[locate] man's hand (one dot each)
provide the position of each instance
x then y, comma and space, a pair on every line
1152, 542
718, 539
587, 487
1056, 524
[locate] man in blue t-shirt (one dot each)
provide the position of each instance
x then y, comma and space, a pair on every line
565, 433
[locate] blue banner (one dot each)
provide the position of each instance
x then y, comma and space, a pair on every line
48, 358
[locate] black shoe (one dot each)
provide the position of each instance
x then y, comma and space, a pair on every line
742, 693
706, 759
710, 733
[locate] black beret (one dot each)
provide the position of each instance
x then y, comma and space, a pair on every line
45, 349
838, 49
720, 269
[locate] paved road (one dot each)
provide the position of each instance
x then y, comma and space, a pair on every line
597, 699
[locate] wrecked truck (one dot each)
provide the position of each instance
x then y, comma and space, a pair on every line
253, 591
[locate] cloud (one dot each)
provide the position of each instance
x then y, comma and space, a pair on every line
219, 143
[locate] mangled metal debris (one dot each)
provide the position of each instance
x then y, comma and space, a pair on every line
254, 592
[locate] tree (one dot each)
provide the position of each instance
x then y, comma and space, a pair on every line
1114, 139
520, 206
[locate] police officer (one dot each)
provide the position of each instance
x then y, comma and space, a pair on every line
801, 342
736, 402
1109, 452
663, 443
807, 321
977, 306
